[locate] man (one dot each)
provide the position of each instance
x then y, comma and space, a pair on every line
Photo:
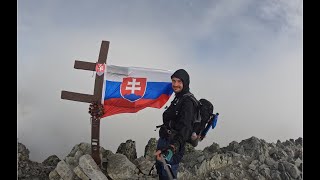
177, 125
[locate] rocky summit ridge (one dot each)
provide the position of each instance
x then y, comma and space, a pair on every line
250, 159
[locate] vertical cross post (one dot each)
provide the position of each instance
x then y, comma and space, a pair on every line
95, 98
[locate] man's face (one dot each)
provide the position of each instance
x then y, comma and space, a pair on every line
177, 85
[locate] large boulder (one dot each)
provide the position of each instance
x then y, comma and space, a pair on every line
119, 167
52, 160
128, 149
23, 152
150, 149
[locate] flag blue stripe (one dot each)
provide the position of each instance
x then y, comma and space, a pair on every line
153, 91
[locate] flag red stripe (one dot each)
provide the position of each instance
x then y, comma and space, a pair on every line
120, 105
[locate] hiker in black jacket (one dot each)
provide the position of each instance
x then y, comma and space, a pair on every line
177, 125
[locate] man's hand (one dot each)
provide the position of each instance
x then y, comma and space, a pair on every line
158, 155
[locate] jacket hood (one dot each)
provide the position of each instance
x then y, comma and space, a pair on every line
184, 76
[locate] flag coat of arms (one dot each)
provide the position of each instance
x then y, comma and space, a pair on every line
131, 89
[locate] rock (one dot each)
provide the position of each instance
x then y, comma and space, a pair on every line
90, 168
150, 149
269, 161
254, 147
28, 169
214, 147
292, 169
298, 141
119, 167
23, 152
79, 172
252, 167
189, 148
54, 175
128, 149
144, 165
64, 170
52, 160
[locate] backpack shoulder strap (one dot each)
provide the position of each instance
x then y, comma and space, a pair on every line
197, 116
189, 94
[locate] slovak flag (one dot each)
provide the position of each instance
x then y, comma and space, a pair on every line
131, 89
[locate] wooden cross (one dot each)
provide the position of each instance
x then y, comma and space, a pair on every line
88, 98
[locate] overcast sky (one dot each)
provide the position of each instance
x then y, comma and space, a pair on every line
243, 55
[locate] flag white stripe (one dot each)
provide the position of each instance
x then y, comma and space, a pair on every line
117, 73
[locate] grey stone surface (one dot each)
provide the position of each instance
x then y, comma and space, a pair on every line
252, 158
128, 149
90, 168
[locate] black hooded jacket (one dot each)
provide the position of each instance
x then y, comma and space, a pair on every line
181, 123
